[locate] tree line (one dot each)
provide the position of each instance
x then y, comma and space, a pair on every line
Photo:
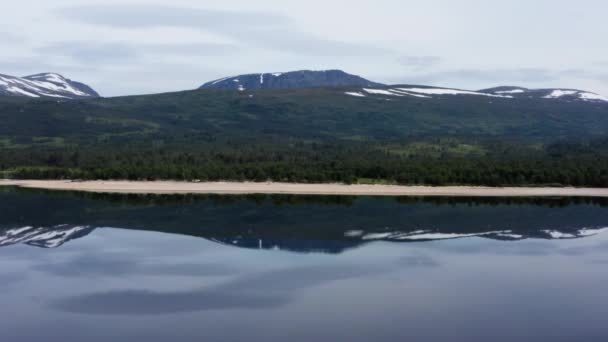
560, 165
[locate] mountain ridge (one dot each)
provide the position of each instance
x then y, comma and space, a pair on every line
304, 79
289, 80
57, 236
53, 85
423, 91
45, 85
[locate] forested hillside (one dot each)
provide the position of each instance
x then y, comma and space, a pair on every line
309, 135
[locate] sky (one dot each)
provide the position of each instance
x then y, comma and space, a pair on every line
127, 47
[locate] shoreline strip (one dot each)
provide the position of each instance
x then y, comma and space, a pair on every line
238, 188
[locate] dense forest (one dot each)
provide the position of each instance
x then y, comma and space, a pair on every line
309, 135
559, 164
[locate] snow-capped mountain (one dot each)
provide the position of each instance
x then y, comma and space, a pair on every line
418, 91
44, 237
56, 236
290, 80
410, 91
355, 238
365, 88
430, 235
44, 85
563, 94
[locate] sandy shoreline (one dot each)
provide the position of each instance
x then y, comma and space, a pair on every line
170, 187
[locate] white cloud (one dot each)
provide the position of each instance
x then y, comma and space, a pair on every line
419, 62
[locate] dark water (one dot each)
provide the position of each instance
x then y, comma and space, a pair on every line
76, 267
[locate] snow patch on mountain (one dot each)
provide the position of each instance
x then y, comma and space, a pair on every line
592, 97
398, 91
559, 235
45, 237
499, 92
571, 93
425, 92
44, 85
448, 91
424, 235
381, 92
559, 93
21, 92
514, 91
428, 235
591, 232
357, 94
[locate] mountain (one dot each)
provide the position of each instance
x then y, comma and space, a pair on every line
290, 80
515, 93
45, 85
408, 134
357, 238
347, 114
562, 94
53, 237
44, 237
298, 223
338, 78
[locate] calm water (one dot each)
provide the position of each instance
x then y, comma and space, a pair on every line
77, 267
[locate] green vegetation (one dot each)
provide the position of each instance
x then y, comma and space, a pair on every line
310, 135
578, 165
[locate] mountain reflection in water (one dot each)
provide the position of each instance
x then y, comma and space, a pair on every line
309, 224
308, 268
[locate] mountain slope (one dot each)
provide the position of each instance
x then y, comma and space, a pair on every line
290, 80
338, 78
407, 134
515, 93
45, 85
556, 93
44, 237
313, 114
57, 236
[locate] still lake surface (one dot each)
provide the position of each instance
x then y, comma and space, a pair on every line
86, 267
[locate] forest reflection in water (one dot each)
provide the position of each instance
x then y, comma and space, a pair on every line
131, 267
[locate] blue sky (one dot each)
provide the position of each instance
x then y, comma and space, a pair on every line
136, 47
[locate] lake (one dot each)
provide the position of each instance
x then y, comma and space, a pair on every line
92, 267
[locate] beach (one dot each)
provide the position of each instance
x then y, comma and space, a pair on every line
236, 188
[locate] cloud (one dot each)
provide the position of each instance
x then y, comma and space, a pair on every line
10, 279
198, 49
149, 16
585, 74
144, 302
529, 247
497, 76
120, 53
262, 290
37, 64
90, 53
253, 29
415, 261
419, 62
586, 79
118, 265
7, 37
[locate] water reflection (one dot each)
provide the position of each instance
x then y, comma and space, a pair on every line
120, 264
262, 290
300, 224
172, 272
